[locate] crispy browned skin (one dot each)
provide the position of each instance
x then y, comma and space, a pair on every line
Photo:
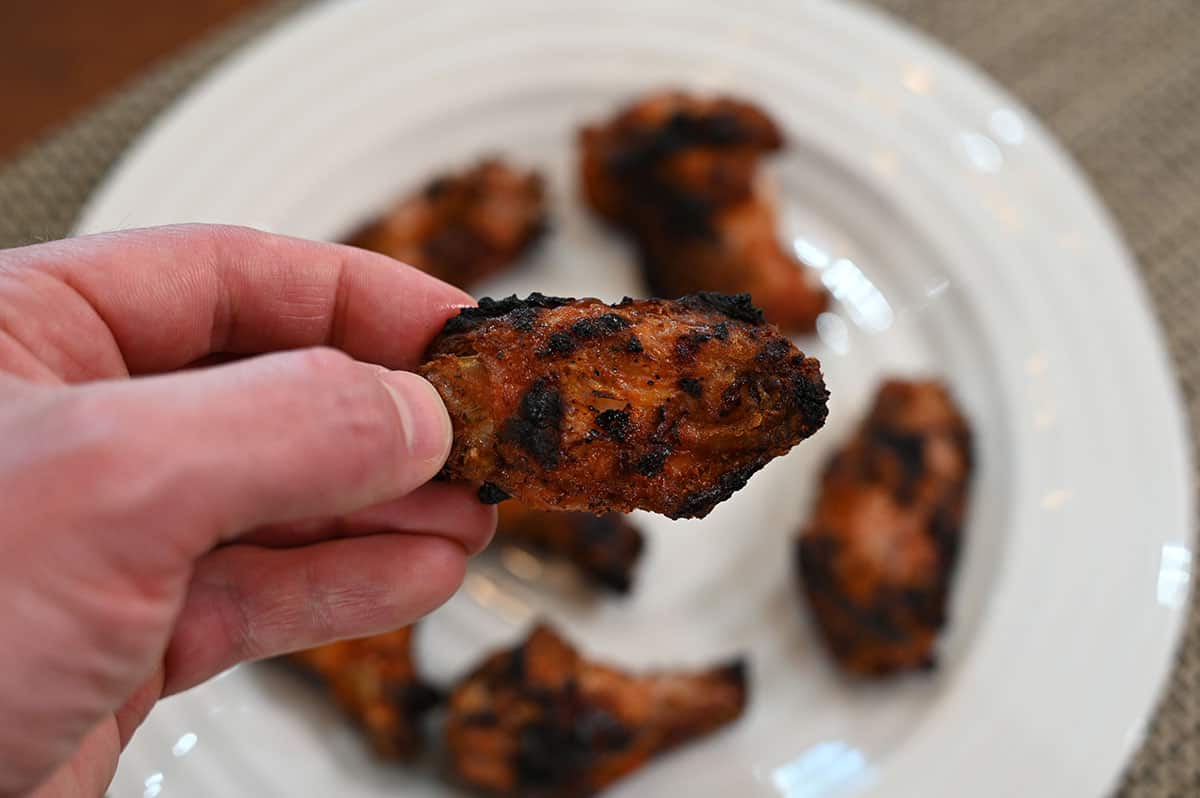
878, 554
374, 679
678, 173
542, 722
464, 227
661, 405
605, 548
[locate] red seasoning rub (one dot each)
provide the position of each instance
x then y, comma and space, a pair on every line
541, 721
662, 405
375, 680
463, 228
878, 555
604, 548
678, 173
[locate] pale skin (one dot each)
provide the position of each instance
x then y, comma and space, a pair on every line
160, 523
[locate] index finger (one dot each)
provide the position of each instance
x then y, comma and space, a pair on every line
165, 297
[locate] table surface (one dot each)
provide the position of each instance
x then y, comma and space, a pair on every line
54, 64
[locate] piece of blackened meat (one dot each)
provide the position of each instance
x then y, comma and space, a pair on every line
678, 173
604, 548
375, 681
711, 394
463, 228
878, 554
541, 721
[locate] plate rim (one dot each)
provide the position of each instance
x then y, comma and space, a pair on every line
219, 79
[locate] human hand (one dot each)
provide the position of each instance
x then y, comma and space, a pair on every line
157, 530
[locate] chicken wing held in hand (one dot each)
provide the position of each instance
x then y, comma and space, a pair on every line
374, 679
540, 721
678, 172
604, 548
463, 228
661, 405
878, 555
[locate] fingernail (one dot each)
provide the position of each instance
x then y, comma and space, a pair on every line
423, 417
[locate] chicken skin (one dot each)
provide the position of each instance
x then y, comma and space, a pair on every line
677, 172
604, 548
878, 555
661, 405
375, 680
541, 721
463, 228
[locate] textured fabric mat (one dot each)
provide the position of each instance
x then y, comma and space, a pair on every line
1118, 82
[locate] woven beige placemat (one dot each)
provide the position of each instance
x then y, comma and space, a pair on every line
1117, 81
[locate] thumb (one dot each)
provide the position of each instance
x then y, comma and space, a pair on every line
274, 438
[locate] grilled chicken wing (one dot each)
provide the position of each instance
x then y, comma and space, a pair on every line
878, 554
661, 405
374, 679
605, 548
678, 173
465, 227
541, 721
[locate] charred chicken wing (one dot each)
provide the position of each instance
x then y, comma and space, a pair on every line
463, 228
678, 173
662, 405
878, 554
374, 679
605, 548
540, 721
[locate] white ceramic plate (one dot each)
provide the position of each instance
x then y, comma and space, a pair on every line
958, 240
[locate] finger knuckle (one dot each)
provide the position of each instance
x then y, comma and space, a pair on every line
321, 620
366, 427
93, 434
356, 409
324, 362
103, 445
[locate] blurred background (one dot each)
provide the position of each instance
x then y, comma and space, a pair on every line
1117, 82
59, 56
